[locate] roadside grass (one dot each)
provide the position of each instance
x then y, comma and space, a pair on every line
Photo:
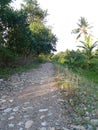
6, 72
81, 94
91, 74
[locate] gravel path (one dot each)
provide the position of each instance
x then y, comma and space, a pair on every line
31, 101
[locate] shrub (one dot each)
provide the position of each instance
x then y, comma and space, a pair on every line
7, 58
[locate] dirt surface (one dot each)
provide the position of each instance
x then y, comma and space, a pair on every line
31, 101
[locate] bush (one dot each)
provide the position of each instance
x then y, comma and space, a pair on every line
7, 58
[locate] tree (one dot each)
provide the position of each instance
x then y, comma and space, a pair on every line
34, 12
4, 3
5, 13
83, 28
23, 32
75, 59
43, 39
15, 32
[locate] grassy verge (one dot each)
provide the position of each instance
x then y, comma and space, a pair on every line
4, 73
81, 95
92, 73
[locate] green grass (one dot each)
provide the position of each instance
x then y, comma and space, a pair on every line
92, 74
6, 72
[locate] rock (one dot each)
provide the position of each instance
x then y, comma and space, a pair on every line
11, 125
20, 123
2, 108
78, 127
2, 119
4, 113
26, 116
94, 122
51, 128
60, 100
44, 123
87, 113
57, 124
87, 118
4, 96
42, 117
97, 128
3, 101
43, 110
16, 109
13, 113
89, 127
50, 114
7, 110
28, 108
28, 124
10, 118
26, 103
43, 128
95, 112
20, 128
11, 100
65, 128
1, 80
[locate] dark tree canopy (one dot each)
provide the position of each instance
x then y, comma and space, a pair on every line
23, 32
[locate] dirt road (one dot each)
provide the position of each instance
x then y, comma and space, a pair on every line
32, 101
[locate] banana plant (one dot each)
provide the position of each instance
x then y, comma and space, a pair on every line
88, 46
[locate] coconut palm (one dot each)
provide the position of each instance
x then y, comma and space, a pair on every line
83, 28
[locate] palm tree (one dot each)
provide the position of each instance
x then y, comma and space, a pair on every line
83, 28
88, 47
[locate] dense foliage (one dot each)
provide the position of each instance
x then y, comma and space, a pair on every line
71, 58
23, 32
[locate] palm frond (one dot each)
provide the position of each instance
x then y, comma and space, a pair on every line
82, 47
78, 36
75, 31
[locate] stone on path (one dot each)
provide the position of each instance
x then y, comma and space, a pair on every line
65, 129
10, 118
28, 124
16, 109
44, 123
52, 128
43, 128
94, 122
11, 125
32, 101
1, 80
7, 110
74, 127
20, 128
43, 110
43, 116
20, 123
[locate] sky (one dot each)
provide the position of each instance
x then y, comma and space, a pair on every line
63, 17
